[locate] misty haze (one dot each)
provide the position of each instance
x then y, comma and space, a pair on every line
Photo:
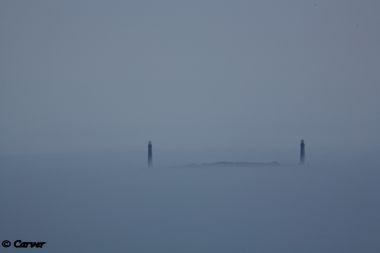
176, 126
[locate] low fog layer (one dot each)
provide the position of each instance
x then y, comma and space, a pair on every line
76, 205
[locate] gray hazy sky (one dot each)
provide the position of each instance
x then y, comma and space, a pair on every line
202, 75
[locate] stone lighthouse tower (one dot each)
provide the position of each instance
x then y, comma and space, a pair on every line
150, 154
302, 152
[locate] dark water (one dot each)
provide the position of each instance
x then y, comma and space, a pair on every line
105, 206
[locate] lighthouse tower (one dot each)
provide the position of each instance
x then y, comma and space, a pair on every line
302, 152
150, 154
